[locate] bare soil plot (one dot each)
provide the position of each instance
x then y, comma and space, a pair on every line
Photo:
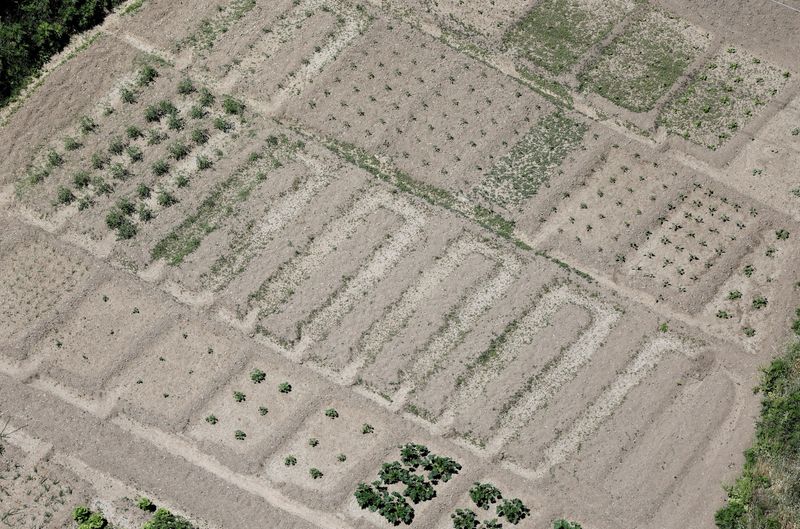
723, 97
641, 64
554, 35
454, 114
40, 278
765, 167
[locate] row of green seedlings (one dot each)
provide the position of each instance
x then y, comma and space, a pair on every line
120, 217
484, 496
86, 125
161, 518
418, 473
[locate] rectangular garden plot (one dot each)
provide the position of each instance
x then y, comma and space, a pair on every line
40, 278
440, 117
640, 65
723, 97
555, 33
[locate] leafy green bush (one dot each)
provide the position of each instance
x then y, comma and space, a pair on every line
64, 195
263, 410
212, 419
199, 136
331, 413
414, 455
178, 150
87, 125
285, 387
512, 510
238, 396
143, 191
175, 123
484, 494
134, 153
222, 124
116, 146
81, 514
206, 97
418, 489
185, 86
315, 473
396, 509
54, 159
290, 461
165, 199
239, 435
127, 95
464, 519
146, 505
313, 442
147, 74
160, 167
341, 458
203, 162
563, 524
368, 428
441, 468
232, 106
71, 144
163, 519
394, 472
257, 376
81, 179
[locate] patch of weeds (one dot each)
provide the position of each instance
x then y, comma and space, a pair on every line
232, 106
257, 376
116, 145
222, 124
165, 199
146, 75
642, 63
315, 473
87, 125
203, 162
263, 410
331, 413
134, 153
199, 136
238, 396
212, 419
160, 167
64, 196
367, 429
533, 160
54, 159
71, 144
239, 435
186, 86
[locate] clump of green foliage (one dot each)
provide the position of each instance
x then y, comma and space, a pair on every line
484, 494
32, 31
767, 495
163, 519
86, 519
257, 376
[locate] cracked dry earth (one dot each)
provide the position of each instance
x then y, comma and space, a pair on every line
406, 212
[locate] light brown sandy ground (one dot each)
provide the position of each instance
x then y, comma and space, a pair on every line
399, 313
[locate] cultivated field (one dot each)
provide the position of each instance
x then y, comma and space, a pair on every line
432, 263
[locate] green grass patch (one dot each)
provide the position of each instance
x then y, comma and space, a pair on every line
767, 495
640, 65
533, 160
556, 33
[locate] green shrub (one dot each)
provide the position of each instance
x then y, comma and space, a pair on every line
175, 122
125, 205
238, 396
484, 494
127, 95
257, 376
147, 74
181, 180
782, 235
285, 387
341, 458
81, 514
145, 213
119, 171
395, 509
464, 519
152, 114
134, 153
290, 461
212, 419
81, 179
418, 489
759, 302
160, 167
163, 519
143, 191
394, 472
331, 413
315, 473
71, 144
414, 455
441, 468
367, 429
146, 505
155, 136
232, 106
133, 132
491, 524
87, 125
64, 195
263, 410
95, 521
199, 136
185, 86
99, 160
117, 219
165, 199
512, 510
54, 159
206, 97
116, 146
197, 112
369, 496
563, 524
203, 162
313, 442
178, 150
239, 435
222, 124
